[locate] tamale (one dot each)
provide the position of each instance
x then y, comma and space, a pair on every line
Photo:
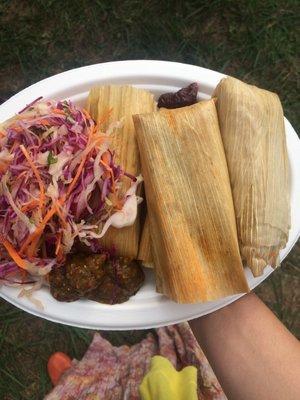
252, 129
144, 253
190, 206
108, 104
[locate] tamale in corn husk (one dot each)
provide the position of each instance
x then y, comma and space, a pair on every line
252, 128
108, 104
190, 207
145, 254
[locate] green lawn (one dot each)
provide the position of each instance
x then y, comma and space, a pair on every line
252, 40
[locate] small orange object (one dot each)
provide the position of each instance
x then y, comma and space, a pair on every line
30, 205
38, 176
35, 236
13, 252
58, 111
58, 363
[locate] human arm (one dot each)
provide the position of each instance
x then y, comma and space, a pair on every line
252, 354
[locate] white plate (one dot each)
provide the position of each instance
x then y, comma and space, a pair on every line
146, 309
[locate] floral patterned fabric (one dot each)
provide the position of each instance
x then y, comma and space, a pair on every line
115, 373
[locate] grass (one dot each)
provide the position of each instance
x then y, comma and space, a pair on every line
253, 40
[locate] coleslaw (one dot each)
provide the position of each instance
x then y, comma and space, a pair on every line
59, 183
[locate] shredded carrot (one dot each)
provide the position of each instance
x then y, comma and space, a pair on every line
20, 176
4, 166
106, 157
75, 179
38, 177
13, 252
32, 248
30, 205
79, 169
39, 229
58, 111
105, 165
58, 243
2, 134
105, 161
94, 135
105, 116
62, 218
118, 204
96, 140
86, 114
111, 173
45, 121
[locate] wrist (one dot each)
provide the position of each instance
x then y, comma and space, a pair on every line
238, 314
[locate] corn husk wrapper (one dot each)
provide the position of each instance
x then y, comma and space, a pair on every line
108, 104
145, 252
252, 129
191, 215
